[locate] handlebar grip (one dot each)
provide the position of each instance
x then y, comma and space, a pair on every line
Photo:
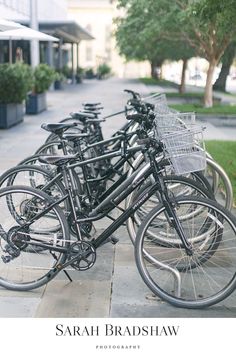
133, 93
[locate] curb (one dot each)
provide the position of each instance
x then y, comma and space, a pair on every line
219, 120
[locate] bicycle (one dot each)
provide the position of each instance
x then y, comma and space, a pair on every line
39, 221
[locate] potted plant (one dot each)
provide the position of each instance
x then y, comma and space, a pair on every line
103, 71
15, 82
43, 77
59, 80
89, 74
79, 75
67, 72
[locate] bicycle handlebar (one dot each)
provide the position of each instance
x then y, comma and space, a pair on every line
135, 95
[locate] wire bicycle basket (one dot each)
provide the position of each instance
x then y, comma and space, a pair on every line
174, 122
160, 103
185, 149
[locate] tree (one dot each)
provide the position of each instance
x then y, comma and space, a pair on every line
206, 25
139, 38
209, 27
227, 61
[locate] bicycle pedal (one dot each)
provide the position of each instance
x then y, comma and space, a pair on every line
111, 239
114, 240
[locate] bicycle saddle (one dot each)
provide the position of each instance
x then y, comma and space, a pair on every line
92, 109
57, 128
82, 116
91, 104
57, 160
94, 112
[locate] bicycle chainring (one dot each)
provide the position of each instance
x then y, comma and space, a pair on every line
84, 254
18, 238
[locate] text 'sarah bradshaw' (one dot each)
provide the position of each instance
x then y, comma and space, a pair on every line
113, 330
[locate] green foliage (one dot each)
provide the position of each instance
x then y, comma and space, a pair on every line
89, 73
66, 71
44, 76
162, 29
143, 33
80, 71
160, 82
103, 70
79, 75
59, 76
153, 27
216, 109
15, 82
224, 153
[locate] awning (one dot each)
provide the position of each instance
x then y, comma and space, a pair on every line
68, 31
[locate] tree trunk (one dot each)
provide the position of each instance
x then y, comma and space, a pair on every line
153, 70
227, 61
208, 96
156, 68
183, 76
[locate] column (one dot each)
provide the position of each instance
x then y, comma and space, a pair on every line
50, 54
60, 64
73, 63
77, 55
34, 47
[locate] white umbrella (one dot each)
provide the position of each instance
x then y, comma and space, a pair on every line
24, 33
6, 25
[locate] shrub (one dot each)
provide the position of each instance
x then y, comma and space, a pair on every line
89, 73
103, 70
67, 72
15, 82
59, 76
44, 76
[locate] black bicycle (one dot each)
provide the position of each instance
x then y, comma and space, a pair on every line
196, 271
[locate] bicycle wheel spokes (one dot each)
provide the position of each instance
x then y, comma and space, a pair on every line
205, 277
25, 261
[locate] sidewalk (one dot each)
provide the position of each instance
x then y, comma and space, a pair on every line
113, 287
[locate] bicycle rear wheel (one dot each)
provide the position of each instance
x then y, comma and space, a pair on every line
23, 228
202, 279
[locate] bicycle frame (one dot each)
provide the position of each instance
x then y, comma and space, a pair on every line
114, 199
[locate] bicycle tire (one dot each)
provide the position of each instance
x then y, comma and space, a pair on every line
206, 284
183, 181
38, 178
30, 270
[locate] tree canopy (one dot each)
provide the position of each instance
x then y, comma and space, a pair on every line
152, 29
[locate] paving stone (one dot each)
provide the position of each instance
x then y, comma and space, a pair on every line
31, 294
78, 299
163, 310
18, 306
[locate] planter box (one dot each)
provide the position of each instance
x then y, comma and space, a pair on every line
58, 85
36, 103
11, 114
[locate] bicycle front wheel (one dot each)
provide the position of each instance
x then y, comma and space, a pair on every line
25, 226
201, 279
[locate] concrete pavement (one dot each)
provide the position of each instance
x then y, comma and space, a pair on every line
113, 287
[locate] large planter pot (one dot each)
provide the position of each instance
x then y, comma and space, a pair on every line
11, 114
36, 103
58, 85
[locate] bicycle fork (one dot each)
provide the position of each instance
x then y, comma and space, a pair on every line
174, 220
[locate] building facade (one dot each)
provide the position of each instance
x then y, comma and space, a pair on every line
52, 18
20, 9
97, 17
